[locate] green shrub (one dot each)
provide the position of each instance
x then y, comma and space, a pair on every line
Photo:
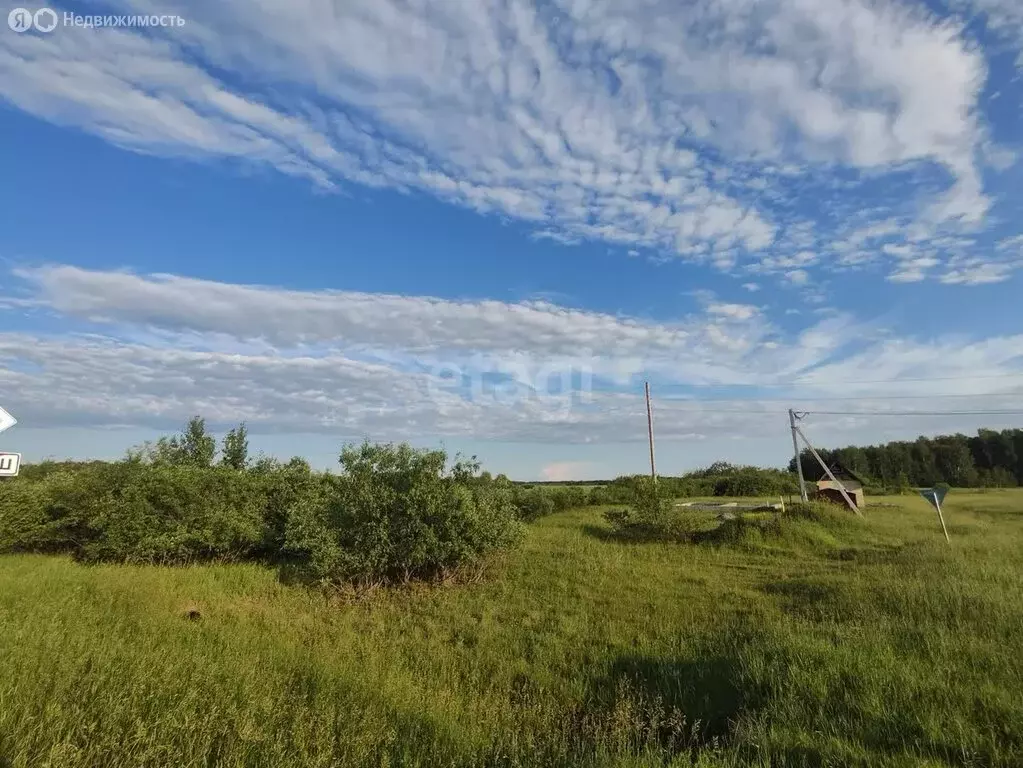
569, 497
619, 518
748, 482
134, 512
174, 514
45, 515
533, 503
283, 487
395, 514
650, 502
652, 516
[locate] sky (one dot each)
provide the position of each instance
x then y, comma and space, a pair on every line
484, 224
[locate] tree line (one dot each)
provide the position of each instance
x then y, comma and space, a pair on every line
991, 459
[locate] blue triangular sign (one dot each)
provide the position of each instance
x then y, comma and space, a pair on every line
934, 495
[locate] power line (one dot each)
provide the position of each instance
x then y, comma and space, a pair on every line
804, 383
773, 412
924, 378
811, 398
914, 413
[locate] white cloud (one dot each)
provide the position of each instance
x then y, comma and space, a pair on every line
797, 277
907, 275
353, 365
981, 274
1012, 245
897, 250
910, 268
734, 311
350, 364
609, 120
1003, 17
751, 287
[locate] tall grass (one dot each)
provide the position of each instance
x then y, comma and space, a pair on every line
821, 643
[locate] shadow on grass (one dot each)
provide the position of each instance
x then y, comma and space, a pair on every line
808, 599
737, 530
875, 555
670, 706
801, 592
293, 574
633, 534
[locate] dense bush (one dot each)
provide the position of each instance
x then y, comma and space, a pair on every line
134, 512
44, 515
651, 516
746, 481
283, 487
719, 479
394, 513
534, 502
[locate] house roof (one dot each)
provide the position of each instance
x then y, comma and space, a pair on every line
842, 472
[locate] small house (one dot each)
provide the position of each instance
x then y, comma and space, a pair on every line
828, 489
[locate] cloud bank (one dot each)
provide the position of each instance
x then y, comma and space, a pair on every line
151, 350
735, 134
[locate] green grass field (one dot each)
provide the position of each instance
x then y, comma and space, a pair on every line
848, 643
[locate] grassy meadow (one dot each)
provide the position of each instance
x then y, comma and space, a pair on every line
840, 643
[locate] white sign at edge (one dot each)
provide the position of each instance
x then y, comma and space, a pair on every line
10, 469
6, 420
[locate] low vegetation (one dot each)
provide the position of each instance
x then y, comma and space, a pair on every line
832, 641
154, 611
720, 479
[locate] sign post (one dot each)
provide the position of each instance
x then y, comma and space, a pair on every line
935, 496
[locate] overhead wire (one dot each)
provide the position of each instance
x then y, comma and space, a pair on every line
804, 383
916, 413
813, 398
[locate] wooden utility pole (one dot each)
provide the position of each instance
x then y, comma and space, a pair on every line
799, 463
650, 433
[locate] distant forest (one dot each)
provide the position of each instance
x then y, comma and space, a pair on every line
991, 459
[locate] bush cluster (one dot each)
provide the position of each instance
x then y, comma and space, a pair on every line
651, 515
134, 512
392, 513
534, 502
719, 479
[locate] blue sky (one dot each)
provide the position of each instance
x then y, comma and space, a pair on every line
485, 224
